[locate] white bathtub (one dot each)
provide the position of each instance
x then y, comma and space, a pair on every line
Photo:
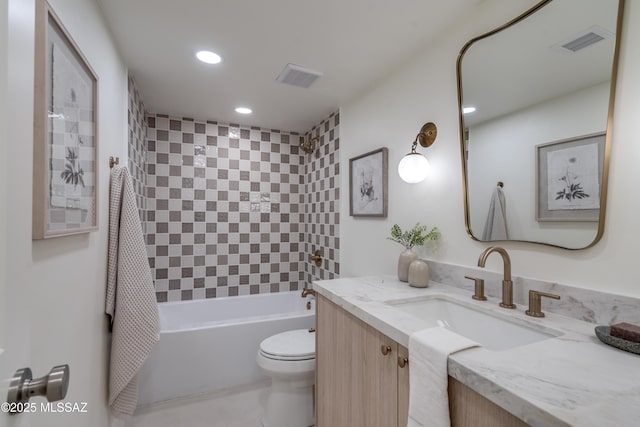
211, 345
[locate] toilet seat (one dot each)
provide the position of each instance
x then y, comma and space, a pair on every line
294, 345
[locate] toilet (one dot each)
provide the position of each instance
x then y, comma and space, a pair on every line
289, 358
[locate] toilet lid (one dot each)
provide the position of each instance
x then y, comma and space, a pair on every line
299, 344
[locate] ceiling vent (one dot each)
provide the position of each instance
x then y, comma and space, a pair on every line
296, 75
582, 40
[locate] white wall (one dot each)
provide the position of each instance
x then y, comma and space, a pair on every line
3, 171
390, 115
59, 284
504, 150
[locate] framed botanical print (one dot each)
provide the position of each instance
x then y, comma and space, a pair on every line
65, 167
368, 184
569, 178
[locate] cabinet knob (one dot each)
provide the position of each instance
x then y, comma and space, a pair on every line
385, 349
402, 361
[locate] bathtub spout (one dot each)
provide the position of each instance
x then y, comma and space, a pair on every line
306, 292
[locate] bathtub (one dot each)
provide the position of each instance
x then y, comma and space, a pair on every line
211, 345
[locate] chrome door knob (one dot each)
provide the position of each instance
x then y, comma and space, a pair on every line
53, 386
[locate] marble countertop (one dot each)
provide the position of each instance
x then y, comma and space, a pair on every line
568, 380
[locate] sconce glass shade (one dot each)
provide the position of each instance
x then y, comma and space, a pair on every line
413, 168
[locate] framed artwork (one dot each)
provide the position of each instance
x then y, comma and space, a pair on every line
65, 167
569, 178
368, 184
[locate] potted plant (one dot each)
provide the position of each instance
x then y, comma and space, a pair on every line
417, 236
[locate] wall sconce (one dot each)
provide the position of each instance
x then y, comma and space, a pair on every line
310, 145
414, 167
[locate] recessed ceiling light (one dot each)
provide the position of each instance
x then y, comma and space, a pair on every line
208, 57
243, 110
468, 110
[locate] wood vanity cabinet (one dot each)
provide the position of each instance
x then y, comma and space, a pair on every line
356, 384
359, 386
469, 409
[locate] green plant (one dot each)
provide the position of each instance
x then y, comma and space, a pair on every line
414, 237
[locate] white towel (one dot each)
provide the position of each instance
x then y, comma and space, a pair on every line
131, 300
429, 350
495, 228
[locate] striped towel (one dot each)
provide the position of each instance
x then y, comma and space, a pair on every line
131, 301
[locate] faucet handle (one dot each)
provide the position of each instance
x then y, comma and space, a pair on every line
479, 288
535, 303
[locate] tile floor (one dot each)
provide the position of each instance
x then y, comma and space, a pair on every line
241, 407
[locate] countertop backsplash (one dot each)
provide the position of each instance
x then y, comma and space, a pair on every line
583, 304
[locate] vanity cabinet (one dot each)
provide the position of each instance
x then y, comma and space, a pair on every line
469, 409
357, 385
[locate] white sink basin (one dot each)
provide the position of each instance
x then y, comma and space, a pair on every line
483, 327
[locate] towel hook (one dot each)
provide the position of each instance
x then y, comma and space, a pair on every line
113, 161
500, 184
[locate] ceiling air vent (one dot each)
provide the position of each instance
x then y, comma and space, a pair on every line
296, 75
583, 39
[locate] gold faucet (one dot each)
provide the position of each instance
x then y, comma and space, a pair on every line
507, 284
307, 291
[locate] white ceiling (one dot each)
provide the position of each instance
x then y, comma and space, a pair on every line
353, 42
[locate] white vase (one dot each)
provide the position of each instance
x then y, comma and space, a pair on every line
419, 274
404, 261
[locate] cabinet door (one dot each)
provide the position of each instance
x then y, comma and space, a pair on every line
403, 387
356, 384
469, 409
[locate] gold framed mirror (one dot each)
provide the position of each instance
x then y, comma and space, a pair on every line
535, 99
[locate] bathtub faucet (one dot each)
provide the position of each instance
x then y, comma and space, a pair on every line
306, 292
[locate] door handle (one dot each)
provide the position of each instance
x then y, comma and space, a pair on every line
53, 386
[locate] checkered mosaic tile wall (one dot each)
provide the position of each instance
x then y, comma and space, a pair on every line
322, 200
138, 148
225, 208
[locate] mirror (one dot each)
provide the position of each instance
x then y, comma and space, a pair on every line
542, 86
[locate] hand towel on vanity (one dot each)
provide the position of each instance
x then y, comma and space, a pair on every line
131, 300
495, 228
429, 350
